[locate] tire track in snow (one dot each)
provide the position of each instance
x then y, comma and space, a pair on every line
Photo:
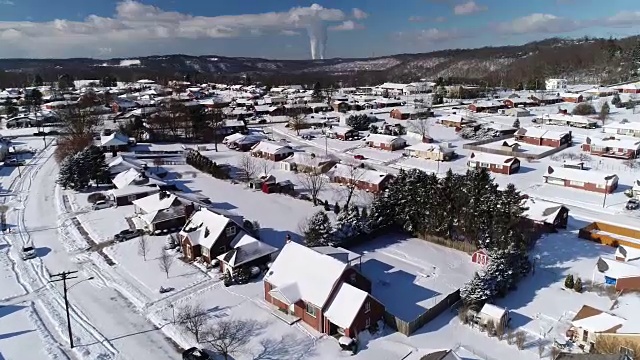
36, 273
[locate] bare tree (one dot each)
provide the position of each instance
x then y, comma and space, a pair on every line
297, 123
228, 337
194, 319
216, 124
520, 339
631, 163
248, 167
420, 126
351, 176
554, 353
165, 261
79, 121
3, 216
68, 145
265, 166
143, 248
312, 178
541, 347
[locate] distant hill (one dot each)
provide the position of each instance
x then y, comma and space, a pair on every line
579, 60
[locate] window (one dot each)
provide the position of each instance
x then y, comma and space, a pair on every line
353, 278
367, 307
205, 251
600, 186
585, 336
367, 323
484, 165
576, 183
131, 197
231, 231
310, 309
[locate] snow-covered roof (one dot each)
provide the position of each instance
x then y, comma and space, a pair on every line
618, 143
383, 139
233, 137
600, 322
134, 176
156, 202
338, 253
491, 158
569, 118
487, 103
246, 249
123, 162
589, 176
541, 211
271, 148
305, 274
623, 125
357, 174
204, 227
627, 253
340, 130
427, 147
536, 132
395, 86
133, 190
345, 306
304, 158
493, 311
617, 269
115, 139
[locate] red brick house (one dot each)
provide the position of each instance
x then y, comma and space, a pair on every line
628, 148
363, 179
385, 142
271, 151
572, 98
208, 235
486, 106
545, 216
542, 137
324, 290
545, 100
588, 180
495, 163
519, 102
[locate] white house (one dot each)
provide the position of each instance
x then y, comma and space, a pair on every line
556, 84
570, 120
623, 127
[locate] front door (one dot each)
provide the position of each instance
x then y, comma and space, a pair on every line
292, 309
188, 251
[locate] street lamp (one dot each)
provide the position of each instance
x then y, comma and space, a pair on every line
606, 188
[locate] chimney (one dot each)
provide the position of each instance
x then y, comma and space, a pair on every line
189, 209
287, 238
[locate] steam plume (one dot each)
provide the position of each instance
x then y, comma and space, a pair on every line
317, 31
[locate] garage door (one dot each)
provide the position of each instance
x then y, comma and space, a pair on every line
555, 181
609, 280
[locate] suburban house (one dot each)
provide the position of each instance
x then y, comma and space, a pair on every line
308, 162
486, 106
231, 127
518, 102
569, 120
541, 137
633, 88
121, 105
114, 142
555, 84
517, 112
590, 324
495, 163
621, 148
385, 142
134, 176
455, 120
242, 142
635, 189
572, 98
123, 163
207, 235
545, 215
546, 100
492, 313
128, 194
342, 133
163, 211
427, 151
621, 272
622, 128
329, 295
363, 179
588, 180
409, 113
271, 151
246, 252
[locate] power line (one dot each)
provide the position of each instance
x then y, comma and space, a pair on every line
64, 276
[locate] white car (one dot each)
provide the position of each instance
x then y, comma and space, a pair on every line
101, 204
28, 252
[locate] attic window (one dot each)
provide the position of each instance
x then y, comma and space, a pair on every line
206, 232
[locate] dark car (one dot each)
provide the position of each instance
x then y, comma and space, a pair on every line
359, 157
262, 121
14, 162
633, 204
128, 234
194, 354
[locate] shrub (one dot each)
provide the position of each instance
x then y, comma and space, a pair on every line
568, 282
577, 286
521, 338
584, 109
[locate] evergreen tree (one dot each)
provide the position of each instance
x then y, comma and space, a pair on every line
65, 174
577, 285
604, 111
373, 129
568, 281
317, 91
358, 122
615, 101
348, 223
336, 208
318, 230
478, 290
516, 124
37, 81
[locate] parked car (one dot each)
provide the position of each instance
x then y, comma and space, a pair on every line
262, 121
128, 234
359, 157
14, 162
194, 354
101, 204
28, 252
633, 204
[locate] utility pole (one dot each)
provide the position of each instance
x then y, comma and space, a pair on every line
64, 276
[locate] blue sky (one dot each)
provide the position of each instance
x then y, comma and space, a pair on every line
282, 28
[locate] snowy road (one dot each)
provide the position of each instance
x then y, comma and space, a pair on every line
105, 324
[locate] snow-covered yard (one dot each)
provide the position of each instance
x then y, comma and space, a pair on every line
147, 275
524, 148
103, 224
21, 334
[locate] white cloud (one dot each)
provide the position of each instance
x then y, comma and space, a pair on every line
7, 2
622, 19
539, 23
418, 19
359, 14
134, 24
347, 25
469, 7
432, 35
288, 32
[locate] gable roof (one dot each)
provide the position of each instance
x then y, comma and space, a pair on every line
305, 274
539, 133
246, 249
134, 176
383, 139
115, 139
357, 174
617, 143
596, 321
427, 147
617, 269
589, 176
345, 305
156, 202
493, 311
271, 148
541, 211
441, 355
491, 158
204, 227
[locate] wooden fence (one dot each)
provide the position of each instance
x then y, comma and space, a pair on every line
476, 146
409, 327
611, 235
